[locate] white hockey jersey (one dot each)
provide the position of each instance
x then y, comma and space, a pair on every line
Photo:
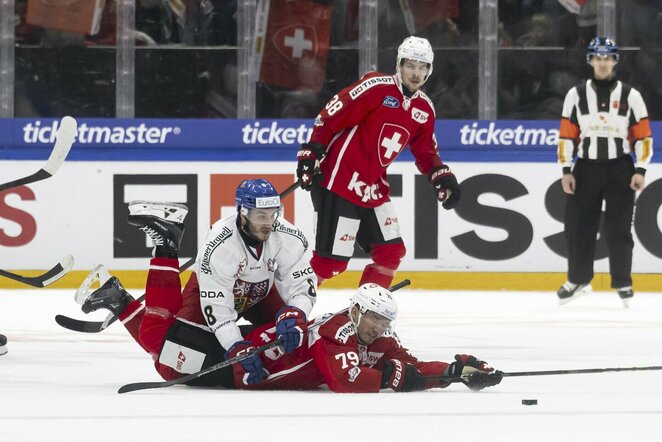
234, 277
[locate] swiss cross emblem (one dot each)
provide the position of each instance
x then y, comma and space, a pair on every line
614, 104
296, 42
392, 139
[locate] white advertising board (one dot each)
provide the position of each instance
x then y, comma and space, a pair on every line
509, 219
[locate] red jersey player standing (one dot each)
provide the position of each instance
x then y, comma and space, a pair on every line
359, 133
356, 351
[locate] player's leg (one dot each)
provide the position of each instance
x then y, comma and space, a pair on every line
336, 227
619, 199
379, 234
582, 220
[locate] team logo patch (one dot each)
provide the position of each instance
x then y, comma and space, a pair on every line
419, 116
614, 104
392, 139
391, 102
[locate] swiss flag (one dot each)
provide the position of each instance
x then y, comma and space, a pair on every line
292, 43
392, 139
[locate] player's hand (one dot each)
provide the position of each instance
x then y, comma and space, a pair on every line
446, 186
291, 327
478, 373
401, 377
252, 365
637, 182
308, 164
568, 183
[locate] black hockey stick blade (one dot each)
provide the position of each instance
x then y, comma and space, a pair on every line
83, 326
402, 284
291, 188
66, 134
149, 385
57, 272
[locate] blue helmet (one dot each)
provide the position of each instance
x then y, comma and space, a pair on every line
257, 193
602, 46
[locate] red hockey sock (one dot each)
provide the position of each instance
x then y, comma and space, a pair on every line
381, 276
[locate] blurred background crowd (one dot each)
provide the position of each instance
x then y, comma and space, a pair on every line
186, 54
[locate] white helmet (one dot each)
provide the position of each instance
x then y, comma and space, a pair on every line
417, 49
375, 298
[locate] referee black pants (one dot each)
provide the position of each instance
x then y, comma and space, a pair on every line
595, 182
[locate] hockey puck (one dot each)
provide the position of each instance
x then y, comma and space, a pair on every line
529, 401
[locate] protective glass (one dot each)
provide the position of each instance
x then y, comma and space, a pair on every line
261, 216
376, 321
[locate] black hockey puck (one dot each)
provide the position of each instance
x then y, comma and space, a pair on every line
529, 401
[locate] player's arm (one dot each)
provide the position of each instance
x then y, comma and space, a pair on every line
569, 131
345, 110
426, 152
296, 282
216, 280
640, 132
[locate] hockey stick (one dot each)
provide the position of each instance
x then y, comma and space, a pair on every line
290, 189
66, 134
162, 384
57, 272
189, 377
548, 373
94, 326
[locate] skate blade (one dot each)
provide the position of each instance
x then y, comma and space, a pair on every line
578, 294
98, 274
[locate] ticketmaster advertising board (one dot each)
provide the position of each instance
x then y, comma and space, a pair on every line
509, 219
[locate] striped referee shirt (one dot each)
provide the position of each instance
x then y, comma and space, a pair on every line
604, 123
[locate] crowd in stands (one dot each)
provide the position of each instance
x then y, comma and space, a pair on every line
186, 56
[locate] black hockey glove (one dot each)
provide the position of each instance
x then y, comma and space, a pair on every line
401, 377
308, 164
446, 186
478, 373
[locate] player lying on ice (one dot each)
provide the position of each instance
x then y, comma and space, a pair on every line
351, 351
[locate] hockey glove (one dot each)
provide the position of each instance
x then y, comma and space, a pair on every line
446, 186
477, 373
401, 377
252, 364
291, 327
308, 164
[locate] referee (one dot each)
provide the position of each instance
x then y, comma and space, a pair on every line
605, 130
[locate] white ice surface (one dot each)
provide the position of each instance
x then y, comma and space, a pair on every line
58, 385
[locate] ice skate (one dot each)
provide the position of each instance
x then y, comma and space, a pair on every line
570, 291
626, 294
3, 345
110, 296
163, 222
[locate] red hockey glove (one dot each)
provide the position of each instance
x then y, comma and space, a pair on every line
255, 372
478, 373
291, 327
308, 166
401, 377
446, 186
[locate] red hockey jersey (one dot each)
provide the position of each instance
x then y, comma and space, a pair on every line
333, 356
365, 127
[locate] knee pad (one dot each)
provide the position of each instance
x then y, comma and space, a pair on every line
388, 255
327, 267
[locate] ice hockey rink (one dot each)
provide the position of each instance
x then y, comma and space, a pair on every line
59, 385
